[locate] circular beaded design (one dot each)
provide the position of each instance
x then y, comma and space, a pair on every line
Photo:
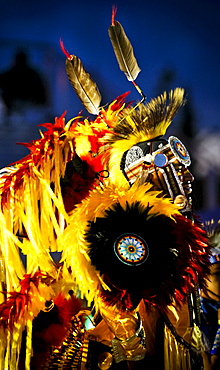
179, 150
131, 249
133, 155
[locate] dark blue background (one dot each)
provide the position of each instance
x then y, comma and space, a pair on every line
179, 35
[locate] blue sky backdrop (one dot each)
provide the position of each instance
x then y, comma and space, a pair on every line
182, 36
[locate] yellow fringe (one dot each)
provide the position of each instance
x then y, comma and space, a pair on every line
176, 356
28, 344
3, 346
30, 207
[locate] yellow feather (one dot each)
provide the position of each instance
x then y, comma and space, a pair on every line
137, 125
83, 145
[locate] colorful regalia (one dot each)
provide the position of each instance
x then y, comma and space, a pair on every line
100, 255
210, 298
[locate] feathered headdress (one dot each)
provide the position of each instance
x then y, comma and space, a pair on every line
132, 124
146, 122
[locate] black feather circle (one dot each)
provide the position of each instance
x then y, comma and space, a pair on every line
170, 268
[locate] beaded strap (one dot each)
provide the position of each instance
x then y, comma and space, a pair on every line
216, 345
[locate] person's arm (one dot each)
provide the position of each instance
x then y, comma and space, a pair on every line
215, 362
206, 361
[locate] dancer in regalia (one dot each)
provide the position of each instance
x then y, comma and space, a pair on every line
112, 197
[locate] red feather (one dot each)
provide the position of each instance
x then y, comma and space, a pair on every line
55, 333
17, 303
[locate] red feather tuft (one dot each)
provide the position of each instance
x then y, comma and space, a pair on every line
114, 11
79, 185
64, 50
17, 303
57, 330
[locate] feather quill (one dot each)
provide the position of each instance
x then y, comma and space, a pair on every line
123, 51
82, 83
